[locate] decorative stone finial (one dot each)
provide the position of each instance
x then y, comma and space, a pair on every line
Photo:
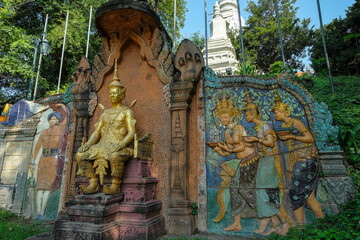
216, 9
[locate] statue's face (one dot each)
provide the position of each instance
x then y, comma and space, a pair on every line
115, 95
53, 121
250, 115
225, 119
279, 115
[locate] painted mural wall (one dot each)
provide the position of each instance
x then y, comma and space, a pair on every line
47, 163
34, 150
262, 167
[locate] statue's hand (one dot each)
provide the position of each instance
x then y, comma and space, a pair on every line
84, 147
224, 147
251, 139
286, 137
118, 147
249, 145
217, 149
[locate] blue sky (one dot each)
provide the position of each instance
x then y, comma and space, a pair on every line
330, 9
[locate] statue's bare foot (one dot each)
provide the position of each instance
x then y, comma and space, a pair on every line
263, 225
275, 230
257, 231
93, 187
233, 227
80, 172
284, 229
113, 189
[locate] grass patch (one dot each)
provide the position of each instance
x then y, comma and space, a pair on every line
17, 228
345, 107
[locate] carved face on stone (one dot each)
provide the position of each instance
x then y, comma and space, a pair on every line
250, 114
53, 121
279, 115
225, 119
116, 94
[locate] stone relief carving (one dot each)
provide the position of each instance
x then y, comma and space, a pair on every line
340, 189
153, 47
189, 61
327, 134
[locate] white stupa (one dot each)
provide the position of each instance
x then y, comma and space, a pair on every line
229, 11
221, 54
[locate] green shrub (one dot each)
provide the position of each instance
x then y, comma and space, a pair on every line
345, 225
344, 106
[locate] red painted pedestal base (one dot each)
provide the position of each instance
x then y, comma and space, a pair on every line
134, 214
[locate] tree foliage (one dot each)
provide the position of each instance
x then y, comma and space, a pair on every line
198, 39
342, 37
22, 21
261, 35
165, 10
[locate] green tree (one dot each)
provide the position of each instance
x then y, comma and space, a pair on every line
22, 21
31, 16
342, 43
15, 51
261, 35
165, 10
198, 39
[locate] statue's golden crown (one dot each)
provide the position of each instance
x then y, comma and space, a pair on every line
225, 106
281, 106
115, 82
249, 104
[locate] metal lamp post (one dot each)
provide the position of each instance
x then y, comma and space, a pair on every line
44, 50
33, 68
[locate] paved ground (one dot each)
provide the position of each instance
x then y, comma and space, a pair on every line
208, 237
47, 236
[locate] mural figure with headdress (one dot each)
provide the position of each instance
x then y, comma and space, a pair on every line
269, 173
108, 144
302, 164
238, 174
49, 157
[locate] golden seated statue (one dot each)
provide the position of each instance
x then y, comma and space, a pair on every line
108, 144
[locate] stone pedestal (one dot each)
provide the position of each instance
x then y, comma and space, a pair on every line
332, 163
338, 185
93, 217
132, 214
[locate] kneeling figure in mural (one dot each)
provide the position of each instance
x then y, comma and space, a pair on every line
109, 143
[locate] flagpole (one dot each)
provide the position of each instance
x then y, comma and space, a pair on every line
63, 50
325, 51
241, 36
206, 42
88, 35
174, 34
281, 41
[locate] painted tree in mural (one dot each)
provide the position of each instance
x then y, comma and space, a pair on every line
261, 35
23, 21
342, 43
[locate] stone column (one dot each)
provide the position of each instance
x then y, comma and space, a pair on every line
189, 62
181, 221
81, 93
